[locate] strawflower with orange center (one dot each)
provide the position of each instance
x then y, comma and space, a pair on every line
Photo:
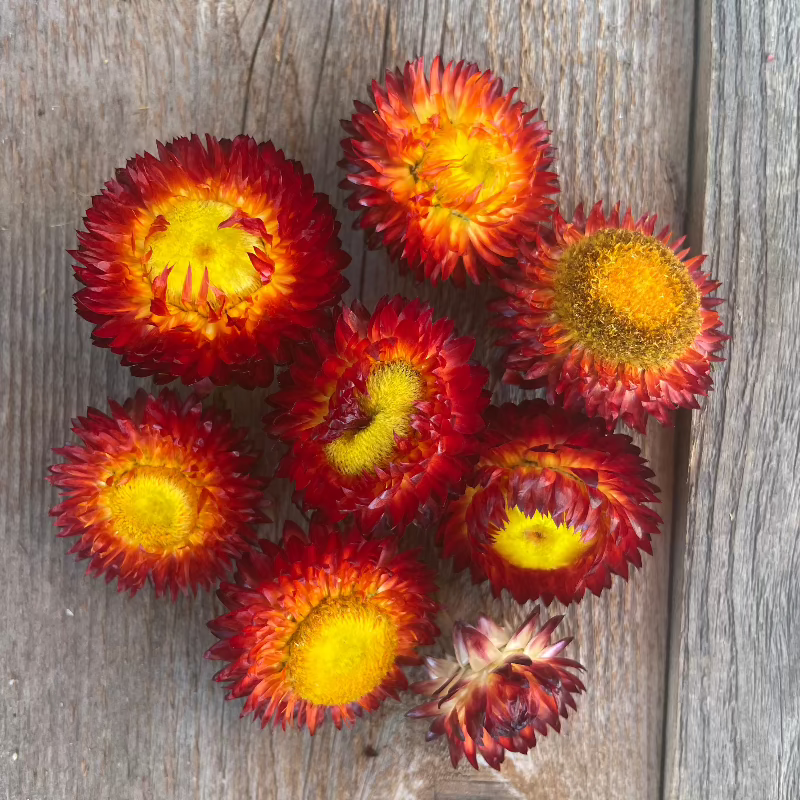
502, 689
160, 490
448, 172
206, 262
613, 319
555, 506
321, 626
382, 417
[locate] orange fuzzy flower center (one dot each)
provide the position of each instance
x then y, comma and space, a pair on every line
154, 508
192, 239
538, 542
460, 161
392, 391
342, 651
627, 298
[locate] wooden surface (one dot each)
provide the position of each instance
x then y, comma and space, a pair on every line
733, 728
106, 697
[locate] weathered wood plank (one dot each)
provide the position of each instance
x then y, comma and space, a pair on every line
113, 699
600, 76
733, 714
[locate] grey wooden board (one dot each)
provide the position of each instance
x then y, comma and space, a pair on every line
733, 724
108, 697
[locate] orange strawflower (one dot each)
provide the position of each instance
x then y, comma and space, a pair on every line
502, 689
449, 172
555, 506
381, 418
322, 624
207, 261
160, 490
612, 319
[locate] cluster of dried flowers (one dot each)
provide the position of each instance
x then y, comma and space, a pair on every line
216, 262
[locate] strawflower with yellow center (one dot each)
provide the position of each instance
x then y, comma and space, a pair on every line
321, 626
381, 417
208, 261
448, 171
501, 690
556, 505
613, 319
160, 490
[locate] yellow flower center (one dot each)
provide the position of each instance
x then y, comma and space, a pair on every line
154, 508
459, 160
627, 298
392, 391
341, 651
537, 542
193, 238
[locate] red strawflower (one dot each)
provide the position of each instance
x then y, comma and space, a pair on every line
207, 261
555, 506
159, 490
612, 319
322, 624
382, 418
501, 690
448, 172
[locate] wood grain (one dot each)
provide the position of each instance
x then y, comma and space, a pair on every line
108, 697
734, 714
602, 98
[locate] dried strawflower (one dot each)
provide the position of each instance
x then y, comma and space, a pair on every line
448, 172
322, 624
206, 262
612, 319
381, 418
501, 690
160, 490
555, 507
